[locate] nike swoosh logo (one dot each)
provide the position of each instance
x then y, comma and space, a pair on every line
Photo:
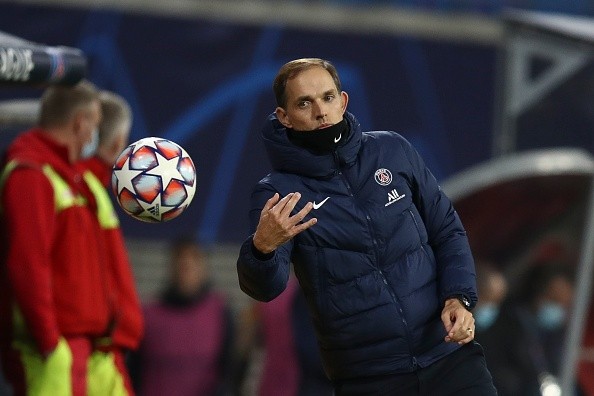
338, 138
318, 205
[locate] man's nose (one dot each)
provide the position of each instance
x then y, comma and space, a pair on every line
320, 110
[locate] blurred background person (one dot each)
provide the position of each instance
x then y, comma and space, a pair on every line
428, 52
55, 300
127, 326
523, 346
492, 288
283, 331
586, 366
188, 347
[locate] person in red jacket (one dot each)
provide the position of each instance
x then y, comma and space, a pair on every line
55, 299
114, 131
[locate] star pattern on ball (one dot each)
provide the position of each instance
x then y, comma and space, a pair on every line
126, 180
154, 209
145, 142
167, 169
151, 177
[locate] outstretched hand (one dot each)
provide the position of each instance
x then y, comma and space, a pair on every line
277, 226
458, 322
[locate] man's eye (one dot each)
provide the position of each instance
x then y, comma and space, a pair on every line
329, 98
302, 104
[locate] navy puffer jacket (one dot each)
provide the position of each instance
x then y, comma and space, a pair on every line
387, 250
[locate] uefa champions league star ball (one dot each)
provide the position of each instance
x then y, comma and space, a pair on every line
154, 180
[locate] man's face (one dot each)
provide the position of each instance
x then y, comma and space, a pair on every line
93, 116
560, 291
189, 271
86, 124
313, 102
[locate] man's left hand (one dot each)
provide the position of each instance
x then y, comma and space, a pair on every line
458, 322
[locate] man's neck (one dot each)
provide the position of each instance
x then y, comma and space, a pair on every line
63, 137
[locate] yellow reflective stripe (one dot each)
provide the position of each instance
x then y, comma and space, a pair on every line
5, 172
50, 376
104, 378
63, 196
105, 211
43, 377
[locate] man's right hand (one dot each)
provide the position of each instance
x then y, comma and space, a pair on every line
277, 226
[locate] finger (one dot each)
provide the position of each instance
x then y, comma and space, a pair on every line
457, 326
458, 329
290, 204
464, 326
461, 320
466, 334
304, 226
282, 203
453, 336
271, 202
447, 320
467, 339
299, 216
458, 337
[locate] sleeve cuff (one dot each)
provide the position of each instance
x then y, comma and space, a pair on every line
259, 255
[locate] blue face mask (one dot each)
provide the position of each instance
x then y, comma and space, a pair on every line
90, 148
485, 315
551, 316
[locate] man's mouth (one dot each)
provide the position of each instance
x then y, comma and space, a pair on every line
323, 126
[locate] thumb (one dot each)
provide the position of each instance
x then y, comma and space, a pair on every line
446, 318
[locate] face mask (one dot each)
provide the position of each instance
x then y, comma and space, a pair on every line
90, 148
321, 140
551, 316
485, 315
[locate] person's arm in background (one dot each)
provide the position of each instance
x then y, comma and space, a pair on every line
228, 358
129, 325
28, 206
248, 339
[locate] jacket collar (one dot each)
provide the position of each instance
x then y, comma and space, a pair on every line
287, 157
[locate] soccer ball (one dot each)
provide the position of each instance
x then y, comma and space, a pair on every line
154, 180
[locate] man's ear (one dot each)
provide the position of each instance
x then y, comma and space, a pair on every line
345, 100
110, 152
119, 143
282, 116
78, 122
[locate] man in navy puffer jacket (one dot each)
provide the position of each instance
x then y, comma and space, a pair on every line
377, 247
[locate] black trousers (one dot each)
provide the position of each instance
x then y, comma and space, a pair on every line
461, 373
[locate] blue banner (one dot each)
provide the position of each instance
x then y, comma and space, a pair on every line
207, 86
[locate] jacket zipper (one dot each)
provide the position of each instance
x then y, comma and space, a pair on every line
376, 253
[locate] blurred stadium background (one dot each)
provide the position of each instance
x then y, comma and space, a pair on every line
467, 82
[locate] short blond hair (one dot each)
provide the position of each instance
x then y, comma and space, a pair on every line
116, 117
291, 69
60, 103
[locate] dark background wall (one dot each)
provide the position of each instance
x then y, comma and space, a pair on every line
204, 81
206, 85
